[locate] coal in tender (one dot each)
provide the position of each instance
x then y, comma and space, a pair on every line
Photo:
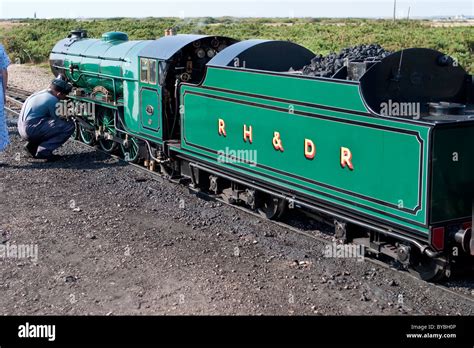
327, 66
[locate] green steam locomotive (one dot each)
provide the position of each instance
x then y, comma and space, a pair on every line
383, 148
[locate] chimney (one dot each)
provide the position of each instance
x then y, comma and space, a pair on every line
170, 32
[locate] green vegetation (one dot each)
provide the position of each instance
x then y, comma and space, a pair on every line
31, 40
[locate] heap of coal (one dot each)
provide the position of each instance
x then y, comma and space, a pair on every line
327, 66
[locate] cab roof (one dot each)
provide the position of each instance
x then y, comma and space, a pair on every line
167, 46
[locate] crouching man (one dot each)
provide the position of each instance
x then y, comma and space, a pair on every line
41, 126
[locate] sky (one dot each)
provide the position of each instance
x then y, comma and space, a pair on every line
241, 8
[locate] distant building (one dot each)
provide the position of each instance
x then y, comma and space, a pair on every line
457, 18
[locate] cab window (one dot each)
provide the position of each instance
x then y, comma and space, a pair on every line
152, 71
144, 70
148, 70
162, 68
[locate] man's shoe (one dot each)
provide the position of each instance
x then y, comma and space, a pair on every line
30, 149
49, 158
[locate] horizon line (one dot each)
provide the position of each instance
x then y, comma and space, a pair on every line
250, 17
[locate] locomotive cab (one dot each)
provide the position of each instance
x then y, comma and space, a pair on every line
165, 64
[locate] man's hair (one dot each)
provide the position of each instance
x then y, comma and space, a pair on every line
55, 88
61, 86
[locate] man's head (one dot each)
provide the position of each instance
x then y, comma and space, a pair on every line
60, 88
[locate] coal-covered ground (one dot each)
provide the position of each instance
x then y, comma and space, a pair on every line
113, 240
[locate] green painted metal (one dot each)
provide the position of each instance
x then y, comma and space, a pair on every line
389, 158
112, 63
452, 186
327, 92
114, 36
150, 111
106, 121
132, 87
97, 62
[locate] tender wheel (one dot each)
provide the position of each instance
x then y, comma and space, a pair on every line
271, 207
131, 152
429, 269
106, 121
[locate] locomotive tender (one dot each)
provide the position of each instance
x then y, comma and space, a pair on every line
384, 147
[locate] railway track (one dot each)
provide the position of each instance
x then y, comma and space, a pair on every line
16, 96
